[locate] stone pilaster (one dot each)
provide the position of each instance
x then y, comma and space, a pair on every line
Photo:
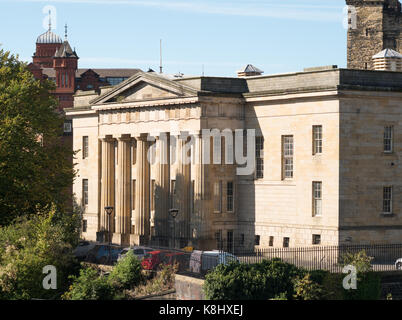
162, 188
142, 212
107, 182
123, 191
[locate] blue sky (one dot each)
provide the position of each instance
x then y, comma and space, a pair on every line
275, 35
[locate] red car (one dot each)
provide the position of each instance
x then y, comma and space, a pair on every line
152, 260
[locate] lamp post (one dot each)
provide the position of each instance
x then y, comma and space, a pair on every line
173, 213
109, 211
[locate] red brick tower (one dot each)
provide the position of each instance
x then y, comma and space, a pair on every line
46, 46
65, 63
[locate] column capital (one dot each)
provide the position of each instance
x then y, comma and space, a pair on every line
141, 136
107, 138
124, 137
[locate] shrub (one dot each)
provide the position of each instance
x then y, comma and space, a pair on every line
260, 281
26, 247
89, 285
307, 289
163, 280
127, 272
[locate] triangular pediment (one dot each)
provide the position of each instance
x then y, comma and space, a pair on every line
145, 86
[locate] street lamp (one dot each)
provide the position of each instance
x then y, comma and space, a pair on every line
109, 211
173, 213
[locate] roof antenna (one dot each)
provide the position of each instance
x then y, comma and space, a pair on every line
203, 73
50, 20
160, 67
65, 32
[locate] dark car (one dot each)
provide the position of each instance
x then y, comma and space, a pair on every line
103, 254
83, 248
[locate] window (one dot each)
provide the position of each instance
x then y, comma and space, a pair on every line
388, 139
286, 241
230, 196
317, 199
317, 139
218, 196
115, 80
68, 127
287, 157
85, 192
259, 155
242, 239
192, 197
84, 225
271, 241
387, 200
257, 239
316, 239
84, 147
229, 241
219, 241
90, 86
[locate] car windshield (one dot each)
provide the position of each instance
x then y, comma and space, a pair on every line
138, 251
124, 251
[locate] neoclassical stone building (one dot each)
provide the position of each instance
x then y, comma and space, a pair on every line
327, 159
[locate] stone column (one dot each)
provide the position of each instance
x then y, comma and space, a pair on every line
162, 189
123, 192
199, 185
107, 182
142, 212
183, 181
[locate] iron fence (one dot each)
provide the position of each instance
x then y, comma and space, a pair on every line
330, 258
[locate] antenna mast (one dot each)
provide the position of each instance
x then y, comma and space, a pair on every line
161, 67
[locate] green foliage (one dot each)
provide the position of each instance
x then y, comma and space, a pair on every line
89, 285
281, 296
360, 260
307, 289
33, 174
260, 281
26, 247
127, 272
163, 280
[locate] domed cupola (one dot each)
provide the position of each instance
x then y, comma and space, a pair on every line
49, 37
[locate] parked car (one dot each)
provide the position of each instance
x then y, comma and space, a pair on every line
100, 254
203, 261
180, 259
81, 251
152, 260
138, 251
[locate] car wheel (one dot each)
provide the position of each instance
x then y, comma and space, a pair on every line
399, 266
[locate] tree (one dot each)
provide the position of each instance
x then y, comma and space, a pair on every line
35, 166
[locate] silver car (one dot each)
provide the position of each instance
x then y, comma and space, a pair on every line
138, 251
398, 264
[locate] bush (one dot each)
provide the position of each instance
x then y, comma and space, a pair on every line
26, 247
260, 281
163, 280
89, 285
127, 272
307, 289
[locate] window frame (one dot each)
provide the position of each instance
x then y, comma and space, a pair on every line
388, 140
317, 198
230, 197
317, 139
390, 200
85, 192
259, 157
217, 196
85, 147
287, 157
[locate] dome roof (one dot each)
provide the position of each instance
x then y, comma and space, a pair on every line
49, 37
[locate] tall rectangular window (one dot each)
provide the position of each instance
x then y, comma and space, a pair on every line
287, 142
84, 225
229, 241
230, 196
85, 151
388, 139
219, 240
259, 156
218, 196
387, 200
173, 193
85, 192
317, 139
286, 241
317, 199
271, 241
192, 196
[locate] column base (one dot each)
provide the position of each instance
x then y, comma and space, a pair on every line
138, 240
121, 239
